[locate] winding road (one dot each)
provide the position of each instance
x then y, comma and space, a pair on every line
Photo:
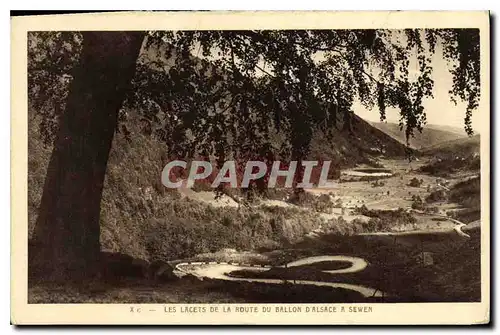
222, 270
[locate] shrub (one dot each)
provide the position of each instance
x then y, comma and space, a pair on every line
304, 199
338, 203
415, 182
417, 202
321, 203
385, 219
432, 209
439, 195
378, 183
202, 186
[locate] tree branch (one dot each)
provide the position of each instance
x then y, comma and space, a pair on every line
261, 69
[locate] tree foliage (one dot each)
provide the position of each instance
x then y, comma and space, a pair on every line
263, 93
52, 57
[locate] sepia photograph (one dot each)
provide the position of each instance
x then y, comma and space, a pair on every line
210, 171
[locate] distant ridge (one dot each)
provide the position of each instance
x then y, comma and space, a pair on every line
463, 146
430, 136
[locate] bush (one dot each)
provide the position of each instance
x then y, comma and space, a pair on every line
385, 219
338, 203
302, 198
378, 183
415, 182
432, 210
202, 186
439, 195
341, 227
417, 202
321, 203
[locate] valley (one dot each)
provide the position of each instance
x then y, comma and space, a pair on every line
396, 215
385, 220
395, 252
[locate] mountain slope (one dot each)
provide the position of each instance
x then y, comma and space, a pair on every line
460, 155
430, 135
362, 145
461, 147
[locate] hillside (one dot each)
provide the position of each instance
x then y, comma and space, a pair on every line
463, 146
431, 134
141, 218
462, 155
363, 145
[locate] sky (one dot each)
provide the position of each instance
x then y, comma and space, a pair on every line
440, 110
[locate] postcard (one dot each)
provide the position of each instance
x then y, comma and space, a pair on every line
251, 168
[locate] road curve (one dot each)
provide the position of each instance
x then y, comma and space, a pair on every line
458, 229
357, 264
221, 271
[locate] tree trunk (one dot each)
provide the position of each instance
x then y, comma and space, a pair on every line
66, 238
347, 122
